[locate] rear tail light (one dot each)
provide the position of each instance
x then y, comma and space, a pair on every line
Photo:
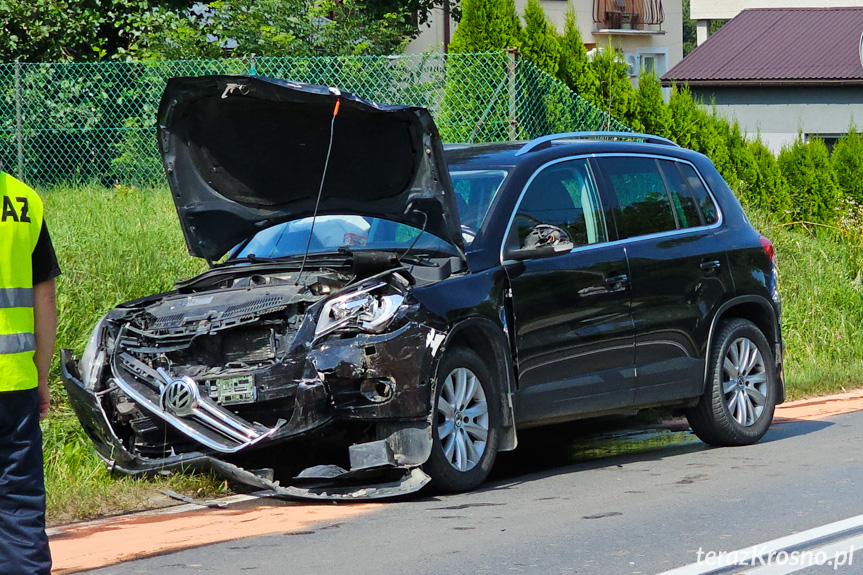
768, 248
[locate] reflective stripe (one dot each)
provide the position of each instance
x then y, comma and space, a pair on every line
17, 343
16, 297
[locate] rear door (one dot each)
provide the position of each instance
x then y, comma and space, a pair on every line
679, 271
573, 330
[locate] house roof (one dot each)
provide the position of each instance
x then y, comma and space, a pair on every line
778, 46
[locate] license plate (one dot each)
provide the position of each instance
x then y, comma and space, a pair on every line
232, 390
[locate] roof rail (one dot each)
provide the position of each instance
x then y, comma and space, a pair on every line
543, 141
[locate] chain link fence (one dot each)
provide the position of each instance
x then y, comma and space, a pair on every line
96, 122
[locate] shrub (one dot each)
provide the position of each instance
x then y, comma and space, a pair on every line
486, 26
811, 180
539, 42
684, 117
574, 69
770, 190
653, 113
615, 93
847, 160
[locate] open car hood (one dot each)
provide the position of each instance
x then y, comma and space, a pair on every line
243, 153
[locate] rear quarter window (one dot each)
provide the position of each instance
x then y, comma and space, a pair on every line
700, 193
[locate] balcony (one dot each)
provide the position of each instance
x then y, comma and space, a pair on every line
625, 17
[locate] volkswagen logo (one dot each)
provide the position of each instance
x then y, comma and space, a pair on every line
180, 396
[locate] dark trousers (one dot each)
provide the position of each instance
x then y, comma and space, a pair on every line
23, 542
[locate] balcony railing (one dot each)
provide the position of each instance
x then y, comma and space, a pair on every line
643, 15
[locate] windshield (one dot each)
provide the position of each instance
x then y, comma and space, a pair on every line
474, 192
334, 232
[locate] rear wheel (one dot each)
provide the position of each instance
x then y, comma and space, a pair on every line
466, 422
740, 396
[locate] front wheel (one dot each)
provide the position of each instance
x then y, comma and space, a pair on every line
466, 428
740, 396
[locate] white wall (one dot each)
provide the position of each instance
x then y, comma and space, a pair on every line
727, 9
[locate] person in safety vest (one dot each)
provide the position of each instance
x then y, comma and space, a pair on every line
28, 325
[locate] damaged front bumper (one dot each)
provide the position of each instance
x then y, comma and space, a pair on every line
378, 380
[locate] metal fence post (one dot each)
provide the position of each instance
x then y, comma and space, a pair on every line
513, 122
19, 121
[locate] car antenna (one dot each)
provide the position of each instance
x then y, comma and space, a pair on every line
323, 179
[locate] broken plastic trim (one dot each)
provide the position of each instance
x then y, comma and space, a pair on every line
413, 481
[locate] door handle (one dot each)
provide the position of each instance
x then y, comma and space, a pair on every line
612, 280
710, 266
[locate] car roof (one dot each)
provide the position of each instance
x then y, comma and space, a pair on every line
541, 150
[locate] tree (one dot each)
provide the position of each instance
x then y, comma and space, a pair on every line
474, 109
241, 28
653, 113
811, 180
420, 10
574, 67
539, 41
684, 117
847, 160
59, 30
770, 191
486, 26
87, 30
615, 93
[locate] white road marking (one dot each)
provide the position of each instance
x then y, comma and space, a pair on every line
763, 550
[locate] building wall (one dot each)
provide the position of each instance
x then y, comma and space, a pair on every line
727, 9
778, 113
669, 43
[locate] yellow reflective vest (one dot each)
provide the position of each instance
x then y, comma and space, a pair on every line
20, 225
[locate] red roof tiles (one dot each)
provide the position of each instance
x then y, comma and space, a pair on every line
789, 46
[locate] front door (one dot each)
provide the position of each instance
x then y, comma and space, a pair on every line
573, 328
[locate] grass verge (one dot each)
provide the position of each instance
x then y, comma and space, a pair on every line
113, 246
821, 283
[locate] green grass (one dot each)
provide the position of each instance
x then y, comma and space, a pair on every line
113, 246
119, 244
821, 283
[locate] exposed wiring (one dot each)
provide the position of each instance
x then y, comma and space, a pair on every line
321, 188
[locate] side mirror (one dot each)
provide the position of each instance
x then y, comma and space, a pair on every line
536, 253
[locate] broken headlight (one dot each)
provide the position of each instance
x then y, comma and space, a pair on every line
367, 310
93, 358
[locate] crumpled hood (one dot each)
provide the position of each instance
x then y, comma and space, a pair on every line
243, 153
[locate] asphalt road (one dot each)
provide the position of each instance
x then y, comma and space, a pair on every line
628, 502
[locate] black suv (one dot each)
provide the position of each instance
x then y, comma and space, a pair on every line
393, 311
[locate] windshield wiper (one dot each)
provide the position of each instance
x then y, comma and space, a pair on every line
251, 259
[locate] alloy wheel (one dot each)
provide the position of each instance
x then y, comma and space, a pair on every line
744, 381
462, 419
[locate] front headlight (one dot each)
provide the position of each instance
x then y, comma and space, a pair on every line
93, 358
367, 310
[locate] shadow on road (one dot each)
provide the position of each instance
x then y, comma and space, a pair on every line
570, 447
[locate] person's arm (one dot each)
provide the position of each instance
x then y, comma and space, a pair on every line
45, 312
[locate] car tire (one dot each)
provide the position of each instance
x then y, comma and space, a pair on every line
740, 395
460, 460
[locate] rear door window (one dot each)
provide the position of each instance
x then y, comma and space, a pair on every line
644, 204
